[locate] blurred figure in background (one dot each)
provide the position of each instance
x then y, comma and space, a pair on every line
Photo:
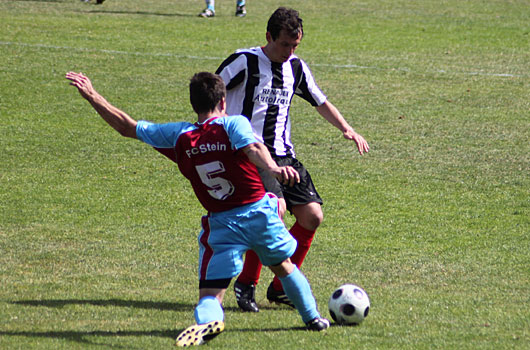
98, 2
209, 11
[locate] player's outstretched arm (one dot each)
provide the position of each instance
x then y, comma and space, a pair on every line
260, 156
332, 115
115, 117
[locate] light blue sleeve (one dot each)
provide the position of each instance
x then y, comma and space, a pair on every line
161, 135
239, 131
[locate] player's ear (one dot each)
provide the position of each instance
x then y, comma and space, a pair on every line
222, 105
268, 36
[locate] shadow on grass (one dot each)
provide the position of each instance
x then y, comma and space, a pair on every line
138, 304
80, 337
41, 0
83, 337
142, 13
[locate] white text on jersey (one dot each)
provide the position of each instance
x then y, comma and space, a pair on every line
206, 147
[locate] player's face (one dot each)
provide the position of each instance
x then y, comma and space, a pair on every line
283, 47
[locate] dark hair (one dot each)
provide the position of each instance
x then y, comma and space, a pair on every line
206, 90
286, 19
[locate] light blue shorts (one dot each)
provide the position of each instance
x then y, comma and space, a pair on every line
226, 236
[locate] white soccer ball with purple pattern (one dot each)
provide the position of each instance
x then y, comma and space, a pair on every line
349, 304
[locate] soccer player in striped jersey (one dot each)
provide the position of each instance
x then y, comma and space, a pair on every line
218, 155
261, 83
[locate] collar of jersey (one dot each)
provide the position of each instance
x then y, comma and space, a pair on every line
207, 121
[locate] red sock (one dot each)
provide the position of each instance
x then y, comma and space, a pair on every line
304, 237
251, 269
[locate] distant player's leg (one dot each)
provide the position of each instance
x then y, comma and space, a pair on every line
241, 10
209, 11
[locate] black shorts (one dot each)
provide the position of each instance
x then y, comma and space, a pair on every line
301, 193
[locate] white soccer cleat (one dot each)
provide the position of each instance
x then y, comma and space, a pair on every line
207, 13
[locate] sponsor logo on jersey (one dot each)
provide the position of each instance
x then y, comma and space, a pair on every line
205, 148
273, 96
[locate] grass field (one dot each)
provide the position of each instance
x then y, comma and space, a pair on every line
98, 233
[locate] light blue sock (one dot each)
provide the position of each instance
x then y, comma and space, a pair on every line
240, 2
299, 292
208, 310
210, 4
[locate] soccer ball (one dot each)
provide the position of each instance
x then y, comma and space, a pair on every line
349, 304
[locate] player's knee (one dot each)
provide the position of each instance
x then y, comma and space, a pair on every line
318, 217
283, 269
314, 222
309, 216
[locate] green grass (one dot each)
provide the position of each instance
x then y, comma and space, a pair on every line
98, 234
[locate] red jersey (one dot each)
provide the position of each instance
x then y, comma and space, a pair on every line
209, 156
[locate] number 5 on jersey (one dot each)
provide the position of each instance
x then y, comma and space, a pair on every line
219, 188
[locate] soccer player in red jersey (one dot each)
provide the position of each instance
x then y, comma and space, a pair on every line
218, 155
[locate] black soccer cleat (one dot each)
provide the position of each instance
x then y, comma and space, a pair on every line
318, 324
245, 296
278, 297
241, 11
99, 2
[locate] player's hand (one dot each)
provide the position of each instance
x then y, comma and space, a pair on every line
362, 145
82, 83
287, 175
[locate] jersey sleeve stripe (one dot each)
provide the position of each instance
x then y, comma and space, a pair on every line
227, 62
236, 80
307, 88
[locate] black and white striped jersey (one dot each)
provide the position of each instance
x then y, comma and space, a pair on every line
262, 91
